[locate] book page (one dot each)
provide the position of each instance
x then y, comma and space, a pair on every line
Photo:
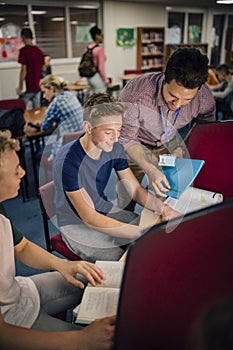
194, 199
97, 303
113, 272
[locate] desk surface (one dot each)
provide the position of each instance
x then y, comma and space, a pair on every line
34, 115
78, 87
129, 76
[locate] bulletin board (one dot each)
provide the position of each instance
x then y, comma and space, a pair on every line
125, 37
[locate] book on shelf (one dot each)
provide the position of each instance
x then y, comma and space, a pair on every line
191, 200
182, 175
101, 300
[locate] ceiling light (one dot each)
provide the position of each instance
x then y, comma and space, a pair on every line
89, 7
37, 12
225, 2
2, 19
57, 19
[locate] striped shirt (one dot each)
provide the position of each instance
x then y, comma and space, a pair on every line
143, 120
67, 112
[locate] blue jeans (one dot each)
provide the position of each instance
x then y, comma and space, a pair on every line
97, 84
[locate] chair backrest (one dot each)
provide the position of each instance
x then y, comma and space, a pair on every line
47, 194
171, 279
213, 142
70, 136
10, 104
54, 243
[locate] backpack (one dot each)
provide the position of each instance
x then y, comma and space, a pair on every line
14, 121
86, 67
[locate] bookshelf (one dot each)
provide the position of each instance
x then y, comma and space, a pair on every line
170, 48
150, 49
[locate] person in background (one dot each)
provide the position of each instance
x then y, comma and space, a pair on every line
224, 92
162, 107
99, 82
27, 303
46, 68
91, 225
212, 80
64, 113
31, 58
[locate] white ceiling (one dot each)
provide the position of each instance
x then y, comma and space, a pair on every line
186, 3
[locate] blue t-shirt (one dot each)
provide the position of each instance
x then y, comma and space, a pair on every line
74, 169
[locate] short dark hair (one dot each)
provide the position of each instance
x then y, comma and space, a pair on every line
95, 31
188, 67
26, 33
223, 68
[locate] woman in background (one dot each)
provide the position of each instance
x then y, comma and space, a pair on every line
99, 82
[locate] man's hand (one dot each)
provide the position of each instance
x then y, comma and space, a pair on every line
99, 334
158, 181
168, 213
70, 269
178, 152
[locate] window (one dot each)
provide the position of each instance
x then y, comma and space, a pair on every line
195, 27
55, 28
12, 19
184, 27
81, 20
49, 25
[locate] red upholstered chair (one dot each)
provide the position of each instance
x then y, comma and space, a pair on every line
54, 243
70, 136
213, 142
46, 165
9, 104
171, 279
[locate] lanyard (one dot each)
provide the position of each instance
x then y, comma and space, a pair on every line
168, 133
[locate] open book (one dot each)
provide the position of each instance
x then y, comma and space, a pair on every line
101, 300
182, 175
191, 200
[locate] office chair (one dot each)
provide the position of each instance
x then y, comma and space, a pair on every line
54, 243
171, 279
213, 142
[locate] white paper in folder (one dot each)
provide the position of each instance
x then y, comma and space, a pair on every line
194, 199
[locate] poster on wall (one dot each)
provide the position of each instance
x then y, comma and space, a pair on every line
9, 48
125, 37
82, 34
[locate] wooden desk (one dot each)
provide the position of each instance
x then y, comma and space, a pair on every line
127, 77
80, 89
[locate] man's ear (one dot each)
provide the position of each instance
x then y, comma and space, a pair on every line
87, 127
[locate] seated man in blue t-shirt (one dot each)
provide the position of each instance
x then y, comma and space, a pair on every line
92, 226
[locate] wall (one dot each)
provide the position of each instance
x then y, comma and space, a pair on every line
116, 15
126, 15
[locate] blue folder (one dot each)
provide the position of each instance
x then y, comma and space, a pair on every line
182, 175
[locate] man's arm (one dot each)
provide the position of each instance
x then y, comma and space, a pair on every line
32, 255
97, 336
156, 177
84, 206
22, 76
143, 197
